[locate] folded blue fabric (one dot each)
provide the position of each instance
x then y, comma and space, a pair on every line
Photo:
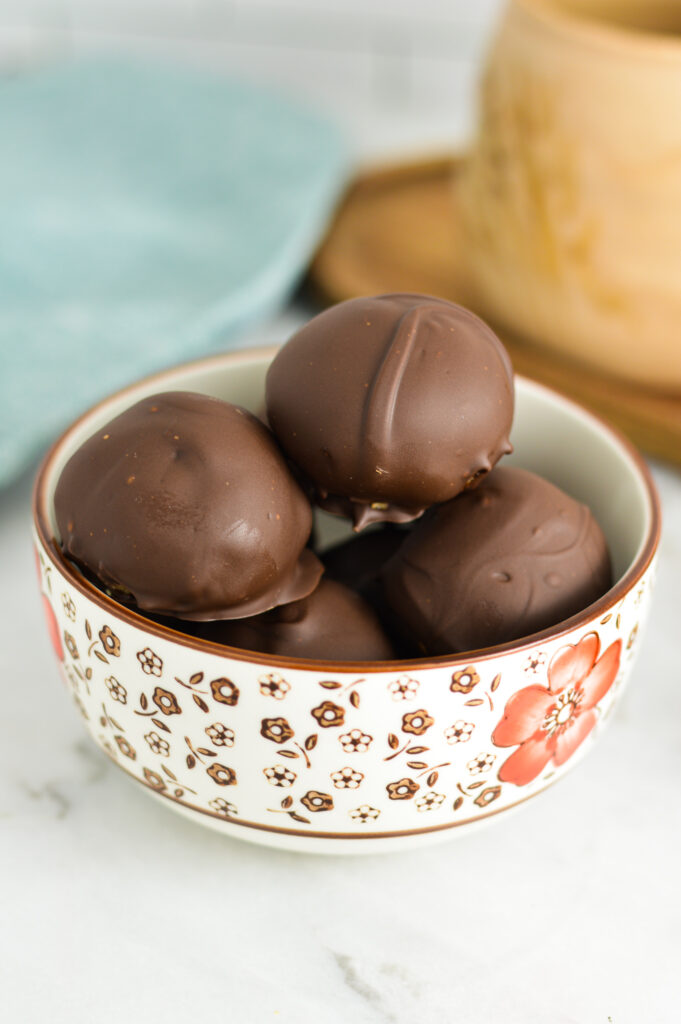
147, 213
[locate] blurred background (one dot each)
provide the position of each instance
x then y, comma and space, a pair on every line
396, 75
172, 171
168, 169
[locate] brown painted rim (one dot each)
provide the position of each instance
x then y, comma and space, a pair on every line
621, 40
585, 617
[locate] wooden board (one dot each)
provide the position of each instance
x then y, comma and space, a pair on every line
396, 230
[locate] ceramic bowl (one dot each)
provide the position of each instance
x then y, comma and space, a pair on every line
352, 757
571, 197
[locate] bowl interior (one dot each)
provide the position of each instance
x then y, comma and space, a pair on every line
552, 436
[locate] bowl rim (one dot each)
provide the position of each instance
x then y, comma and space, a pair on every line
617, 40
600, 607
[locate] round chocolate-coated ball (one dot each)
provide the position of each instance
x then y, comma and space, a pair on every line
332, 624
184, 504
513, 557
356, 562
392, 403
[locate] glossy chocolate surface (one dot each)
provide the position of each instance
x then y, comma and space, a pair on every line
513, 557
391, 403
184, 504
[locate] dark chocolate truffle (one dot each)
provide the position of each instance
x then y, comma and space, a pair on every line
185, 505
331, 624
356, 562
390, 404
511, 558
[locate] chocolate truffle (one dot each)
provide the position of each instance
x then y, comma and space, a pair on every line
508, 559
331, 624
356, 562
184, 504
390, 404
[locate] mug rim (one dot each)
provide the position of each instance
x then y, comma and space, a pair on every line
41, 520
601, 33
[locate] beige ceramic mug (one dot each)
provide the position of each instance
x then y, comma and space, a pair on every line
571, 198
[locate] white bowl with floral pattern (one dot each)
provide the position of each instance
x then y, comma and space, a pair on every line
355, 757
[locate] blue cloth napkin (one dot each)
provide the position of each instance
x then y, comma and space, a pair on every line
147, 213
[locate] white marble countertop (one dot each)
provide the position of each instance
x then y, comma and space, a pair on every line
113, 909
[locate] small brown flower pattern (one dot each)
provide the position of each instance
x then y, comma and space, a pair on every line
278, 775
329, 714
273, 685
71, 645
355, 741
464, 680
430, 801
478, 785
221, 774
110, 642
125, 747
150, 663
155, 780
225, 691
276, 729
364, 813
346, 778
315, 801
117, 690
403, 789
223, 807
404, 688
220, 735
487, 796
534, 662
157, 744
481, 763
417, 722
166, 701
460, 732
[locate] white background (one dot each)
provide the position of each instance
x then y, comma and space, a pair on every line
112, 909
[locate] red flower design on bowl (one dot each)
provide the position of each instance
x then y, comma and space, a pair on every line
53, 628
550, 722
